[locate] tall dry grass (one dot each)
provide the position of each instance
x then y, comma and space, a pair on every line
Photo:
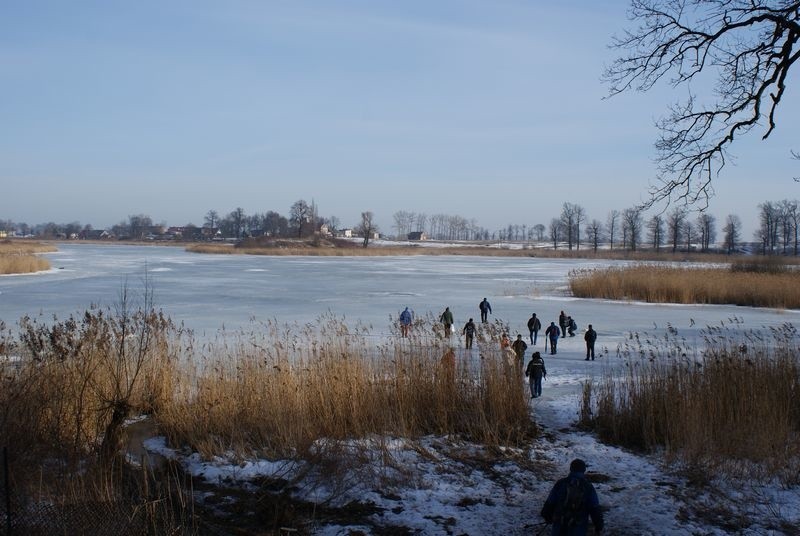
18, 257
22, 264
72, 383
665, 284
730, 407
279, 390
282, 395
24, 247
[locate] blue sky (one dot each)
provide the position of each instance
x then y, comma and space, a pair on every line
490, 110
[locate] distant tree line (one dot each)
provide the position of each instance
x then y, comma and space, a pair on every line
628, 229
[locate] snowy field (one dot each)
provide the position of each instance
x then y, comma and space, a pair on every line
437, 485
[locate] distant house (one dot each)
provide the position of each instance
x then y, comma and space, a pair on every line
417, 235
95, 234
3, 234
210, 232
324, 230
344, 233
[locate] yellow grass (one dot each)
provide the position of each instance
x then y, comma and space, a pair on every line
284, 399
663, 284
19, 247
17, 257
276, 391
734, 404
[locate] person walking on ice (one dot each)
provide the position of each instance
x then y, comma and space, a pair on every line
552, 332
562, 322
571, 502
534, 325
447, 319
405, 322
590, 336
486, 309
469, 332
535, 372
519, 348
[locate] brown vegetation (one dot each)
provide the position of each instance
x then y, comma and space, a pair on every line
18, 257
76, 381
667, 284
733, 406
282, 399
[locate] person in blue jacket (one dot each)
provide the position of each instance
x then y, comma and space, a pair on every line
406, 318
485, 310
572, 501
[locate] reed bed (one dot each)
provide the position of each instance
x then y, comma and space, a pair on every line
730, 408
23, 247
278, 391
19, 257
665, 284
22, 264
287, 398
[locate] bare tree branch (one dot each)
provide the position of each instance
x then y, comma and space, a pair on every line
749, 46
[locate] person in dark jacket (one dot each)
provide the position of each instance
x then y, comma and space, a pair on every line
562, 322
469, 332
486, 309
534, 325
535, 372
590, 336
447, 320
552, 333
571, 326
571, 502
519, 348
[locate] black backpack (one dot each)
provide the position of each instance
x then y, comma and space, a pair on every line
571, 510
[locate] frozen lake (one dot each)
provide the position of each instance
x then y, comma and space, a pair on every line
207, 292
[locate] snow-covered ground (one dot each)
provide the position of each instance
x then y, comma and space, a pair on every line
436, 485
444, 486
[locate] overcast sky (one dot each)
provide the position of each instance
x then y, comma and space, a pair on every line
491, 110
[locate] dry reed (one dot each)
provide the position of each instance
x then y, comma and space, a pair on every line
276, 391
280, 398
18, 257
664, 284
731, 406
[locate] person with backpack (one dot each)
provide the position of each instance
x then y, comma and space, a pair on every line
469, 332
534, 325
535, 372
571, 326
590, 336
405, 321
486, 309
447, 319
571, 502
552, 332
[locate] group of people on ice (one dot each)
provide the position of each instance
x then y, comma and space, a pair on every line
566, 327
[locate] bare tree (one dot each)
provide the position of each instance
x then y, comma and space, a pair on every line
594, 233
655, 227
299, 216
571, 217
675, 222
749, 46
367, 227
611, 225
632, 226
732, 230
539, 229
706, 226
211, 219
555, 231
